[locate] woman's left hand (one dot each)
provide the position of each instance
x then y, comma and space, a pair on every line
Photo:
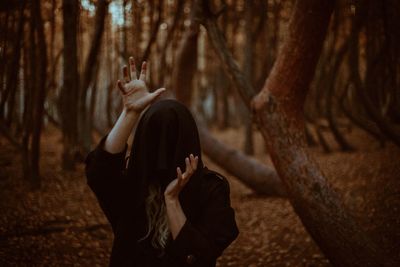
175, 187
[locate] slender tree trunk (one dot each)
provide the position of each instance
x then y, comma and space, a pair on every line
13, 67
93, 94
340, 139
376, 52
4, 45
29, 67
167, 42
85, 132
154, 32
357, 118
68, 101
248, 71
186, 65
39, 95
12, 80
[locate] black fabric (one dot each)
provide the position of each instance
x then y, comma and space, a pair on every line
165, 135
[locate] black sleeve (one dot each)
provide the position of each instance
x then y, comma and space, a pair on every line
202, 243
104, 173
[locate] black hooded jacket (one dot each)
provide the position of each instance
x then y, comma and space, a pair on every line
165, 135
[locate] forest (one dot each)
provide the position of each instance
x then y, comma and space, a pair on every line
297, 103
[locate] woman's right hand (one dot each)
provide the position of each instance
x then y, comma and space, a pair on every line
135, 94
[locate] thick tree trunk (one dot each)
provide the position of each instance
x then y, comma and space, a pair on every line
257, 176
279, 110
68, 101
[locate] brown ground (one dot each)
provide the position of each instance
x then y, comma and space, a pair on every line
62, 224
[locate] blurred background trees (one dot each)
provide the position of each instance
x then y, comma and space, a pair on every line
65, 56
60, 60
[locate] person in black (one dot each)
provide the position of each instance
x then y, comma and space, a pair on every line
160, 216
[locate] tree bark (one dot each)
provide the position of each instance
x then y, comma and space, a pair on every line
334, 69
12, 81
229, 64
372, 84
186, 64
154, 32
262, 179
40, 94
167, 42
68, 101
279, 111
248, 71
12, 67
85, 134
259, 177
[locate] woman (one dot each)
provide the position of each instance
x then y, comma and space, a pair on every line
159, 215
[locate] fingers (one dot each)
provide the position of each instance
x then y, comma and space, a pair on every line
149, 98
191, 163
143, 71
121, 87
132, 67
194, 161
156, 93
159, 91
125, 74
188, 170
179, 176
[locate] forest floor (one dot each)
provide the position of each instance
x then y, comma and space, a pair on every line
62, 225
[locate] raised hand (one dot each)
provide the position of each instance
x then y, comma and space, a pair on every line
175, 187
135, 94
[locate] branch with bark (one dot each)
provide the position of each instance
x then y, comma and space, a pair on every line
259, 177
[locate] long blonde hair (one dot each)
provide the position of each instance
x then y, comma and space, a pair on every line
157, 220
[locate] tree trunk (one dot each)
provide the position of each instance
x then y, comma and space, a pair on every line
279, 112
261, 178
154, 32
186, 65
13, 66
248, 71
279, 109
85, 132
333, 72
167, 42
12, 81
39, 95
68, 101
373, 84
